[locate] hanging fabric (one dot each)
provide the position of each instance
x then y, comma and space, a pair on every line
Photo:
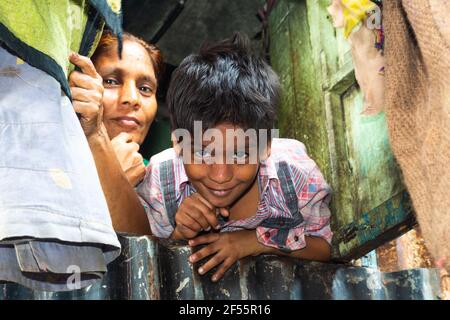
56, 233
418, 111
361, 20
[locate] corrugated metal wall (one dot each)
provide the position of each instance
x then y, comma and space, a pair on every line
148, 269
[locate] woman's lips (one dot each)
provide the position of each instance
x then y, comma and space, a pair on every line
127, 122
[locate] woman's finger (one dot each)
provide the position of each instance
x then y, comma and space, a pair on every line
81, 80
138, 158
141, 172
84, 63
85, 95
86, 109
134, 146
123, 137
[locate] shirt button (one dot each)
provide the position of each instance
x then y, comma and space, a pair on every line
295, 238
267, 234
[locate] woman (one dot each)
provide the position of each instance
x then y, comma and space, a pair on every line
116, 100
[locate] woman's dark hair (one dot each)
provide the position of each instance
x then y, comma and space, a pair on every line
224, 82
109, 40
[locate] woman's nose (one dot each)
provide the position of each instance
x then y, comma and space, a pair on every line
220, 173
129, 95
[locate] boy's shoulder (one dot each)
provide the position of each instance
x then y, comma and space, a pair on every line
165, 166
167, 161
168, 154
292, 152
280, 144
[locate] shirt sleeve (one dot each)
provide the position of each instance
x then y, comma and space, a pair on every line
150, 195
313, 195
314, 199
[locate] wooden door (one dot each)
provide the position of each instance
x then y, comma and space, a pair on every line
321, 107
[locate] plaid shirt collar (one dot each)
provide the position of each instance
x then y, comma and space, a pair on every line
181, 177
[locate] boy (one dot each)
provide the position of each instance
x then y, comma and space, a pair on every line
267, 196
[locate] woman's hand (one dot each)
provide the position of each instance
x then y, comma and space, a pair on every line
129, 158
87, 89
226, 248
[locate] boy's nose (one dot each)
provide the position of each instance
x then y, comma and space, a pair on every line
220, 173
129, 95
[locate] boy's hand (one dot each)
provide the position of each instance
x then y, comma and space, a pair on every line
87, 89
129, 158
194, 215
226, 248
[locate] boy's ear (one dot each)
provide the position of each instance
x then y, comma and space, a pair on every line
267, 151
176, 145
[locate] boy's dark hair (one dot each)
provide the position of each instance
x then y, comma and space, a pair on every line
224, 83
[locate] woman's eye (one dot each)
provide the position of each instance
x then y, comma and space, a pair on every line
110, 82
146, 89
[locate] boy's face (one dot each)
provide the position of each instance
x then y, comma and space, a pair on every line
223, 183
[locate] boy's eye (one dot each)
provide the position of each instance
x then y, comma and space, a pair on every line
240, 155
202, 154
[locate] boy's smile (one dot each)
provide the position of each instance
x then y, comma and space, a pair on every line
220, 192
226, 195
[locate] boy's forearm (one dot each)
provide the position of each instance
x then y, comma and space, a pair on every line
127, 212
316, 249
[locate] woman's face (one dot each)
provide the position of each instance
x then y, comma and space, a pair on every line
129, 99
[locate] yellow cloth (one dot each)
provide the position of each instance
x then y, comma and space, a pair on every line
54, 28
354, 13
44, 32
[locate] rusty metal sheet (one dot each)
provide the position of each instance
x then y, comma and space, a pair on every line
151, 270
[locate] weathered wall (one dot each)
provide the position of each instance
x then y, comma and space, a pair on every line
198, 21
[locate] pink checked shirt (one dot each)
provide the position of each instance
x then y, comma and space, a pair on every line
312, 192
